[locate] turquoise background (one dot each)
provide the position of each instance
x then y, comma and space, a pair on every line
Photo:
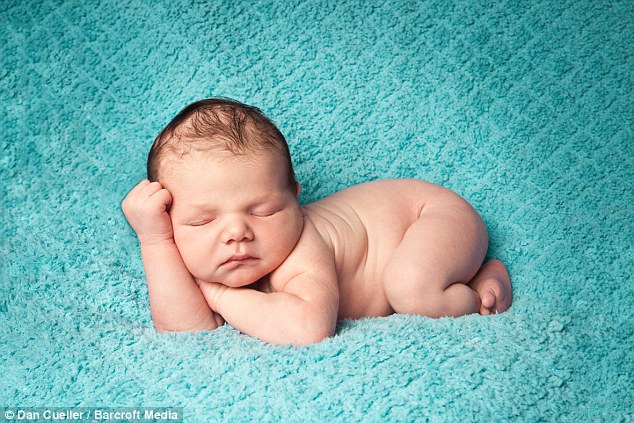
523, 108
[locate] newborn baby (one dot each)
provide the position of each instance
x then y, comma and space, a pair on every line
223, 238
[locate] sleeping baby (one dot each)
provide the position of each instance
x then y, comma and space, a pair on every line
224, 238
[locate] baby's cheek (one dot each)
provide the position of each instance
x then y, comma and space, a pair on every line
284, 243
189, 251
189, 261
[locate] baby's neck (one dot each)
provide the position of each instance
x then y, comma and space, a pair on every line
263, 284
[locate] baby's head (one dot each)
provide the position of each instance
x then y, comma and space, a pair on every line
218, 125
234, 208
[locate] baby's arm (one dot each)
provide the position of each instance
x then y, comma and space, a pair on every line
176, 302
300, 311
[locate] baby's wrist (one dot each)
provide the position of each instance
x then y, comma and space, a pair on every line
155, 239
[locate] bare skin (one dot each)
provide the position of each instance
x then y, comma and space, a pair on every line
493, 286
224, 239
409, 246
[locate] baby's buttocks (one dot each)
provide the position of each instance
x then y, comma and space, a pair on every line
363, 225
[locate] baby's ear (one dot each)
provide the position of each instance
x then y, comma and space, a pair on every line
298, 188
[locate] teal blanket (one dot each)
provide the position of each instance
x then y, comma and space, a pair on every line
526, 109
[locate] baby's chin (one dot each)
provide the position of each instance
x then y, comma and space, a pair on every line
236, 279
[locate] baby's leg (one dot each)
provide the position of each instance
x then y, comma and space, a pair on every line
439, 254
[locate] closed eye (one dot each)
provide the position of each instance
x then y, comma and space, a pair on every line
201, 222
264, 213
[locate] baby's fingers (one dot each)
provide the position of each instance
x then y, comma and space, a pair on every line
162, 197
138, 187
150, 188
133, 196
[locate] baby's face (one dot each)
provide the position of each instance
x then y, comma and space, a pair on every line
235, 219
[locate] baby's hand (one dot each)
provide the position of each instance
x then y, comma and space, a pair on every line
146, 207
212, 292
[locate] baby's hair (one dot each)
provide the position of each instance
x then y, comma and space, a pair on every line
220, 124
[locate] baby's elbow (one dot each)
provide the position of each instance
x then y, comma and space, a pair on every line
311, 337
313, 331
201, 326
167, 329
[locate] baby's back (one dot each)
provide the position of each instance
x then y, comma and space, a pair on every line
363, 225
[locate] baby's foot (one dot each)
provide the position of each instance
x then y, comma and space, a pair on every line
493, 285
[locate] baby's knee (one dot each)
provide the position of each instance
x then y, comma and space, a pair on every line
430, 306
415, 297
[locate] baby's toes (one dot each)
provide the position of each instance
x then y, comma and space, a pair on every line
487, 296
488, 301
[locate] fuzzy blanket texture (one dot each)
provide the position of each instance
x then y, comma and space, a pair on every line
526, 109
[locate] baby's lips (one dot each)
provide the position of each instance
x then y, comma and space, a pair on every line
238, 257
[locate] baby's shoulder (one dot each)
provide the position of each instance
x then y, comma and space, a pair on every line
374, 200
311, 252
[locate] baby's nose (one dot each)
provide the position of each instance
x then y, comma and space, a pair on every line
237, 230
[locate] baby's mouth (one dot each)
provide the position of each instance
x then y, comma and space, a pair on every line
239, 259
